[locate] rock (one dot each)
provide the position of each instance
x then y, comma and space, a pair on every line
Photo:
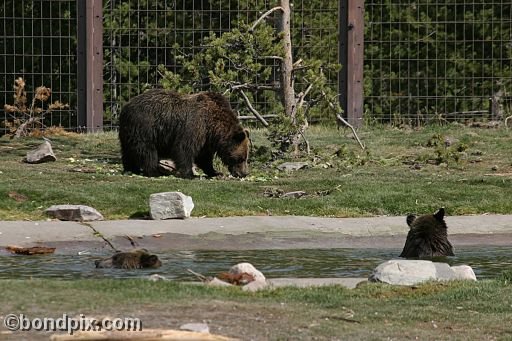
247, 268
464, 272
260, 282
292, 166
170, 205
156, 278
294, 194
73, 213
255, 286
218, 283
196, 327
43, 153
411, 272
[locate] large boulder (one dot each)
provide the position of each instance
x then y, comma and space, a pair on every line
170, 205
412, 272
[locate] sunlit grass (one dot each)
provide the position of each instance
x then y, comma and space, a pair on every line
401, 171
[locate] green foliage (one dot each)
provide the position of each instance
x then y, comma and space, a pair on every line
247, 60
213, 59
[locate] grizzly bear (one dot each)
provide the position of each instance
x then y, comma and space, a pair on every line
188, 129
135, 259
427, 237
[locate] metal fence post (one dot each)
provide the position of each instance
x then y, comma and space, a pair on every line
351, 55
90, 65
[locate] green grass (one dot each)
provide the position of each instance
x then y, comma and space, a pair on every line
473, 175
456, 310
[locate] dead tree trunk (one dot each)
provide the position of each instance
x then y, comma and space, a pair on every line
287, 86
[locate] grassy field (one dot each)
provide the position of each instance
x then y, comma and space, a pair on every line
400, 171
435, 311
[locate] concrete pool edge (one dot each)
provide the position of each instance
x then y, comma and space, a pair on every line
256, 232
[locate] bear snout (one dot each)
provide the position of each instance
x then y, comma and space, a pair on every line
239, 171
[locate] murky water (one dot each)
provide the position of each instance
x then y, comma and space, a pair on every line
487, 262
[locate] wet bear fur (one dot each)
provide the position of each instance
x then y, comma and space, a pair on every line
427, 237
162, 124
135, 259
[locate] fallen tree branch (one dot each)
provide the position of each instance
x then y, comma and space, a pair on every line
266, 14
201, 277
341, 119
338, 116
252, 109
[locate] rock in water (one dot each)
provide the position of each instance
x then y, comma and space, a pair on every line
412, 272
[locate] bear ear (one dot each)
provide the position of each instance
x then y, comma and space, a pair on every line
246, 131
410, 219
240, 136
439, 215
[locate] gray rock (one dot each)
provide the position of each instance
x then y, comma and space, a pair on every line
43, 153
292, 166
464, 272
156, 278
170, 205
255, 286
218, 283
412, 272
73, 213
196, 327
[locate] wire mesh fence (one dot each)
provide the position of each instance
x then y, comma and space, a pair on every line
437, 60
38, 44
145, 39
425, 61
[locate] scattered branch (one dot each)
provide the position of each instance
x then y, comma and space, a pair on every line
266, 14
201, 277
338, 117
341, 119
251, 108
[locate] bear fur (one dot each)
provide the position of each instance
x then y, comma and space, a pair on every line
427, 237
188, 129
135, 259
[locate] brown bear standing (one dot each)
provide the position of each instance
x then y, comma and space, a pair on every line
427, 237
188, 129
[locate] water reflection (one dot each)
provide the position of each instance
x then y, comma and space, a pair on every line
487, 262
